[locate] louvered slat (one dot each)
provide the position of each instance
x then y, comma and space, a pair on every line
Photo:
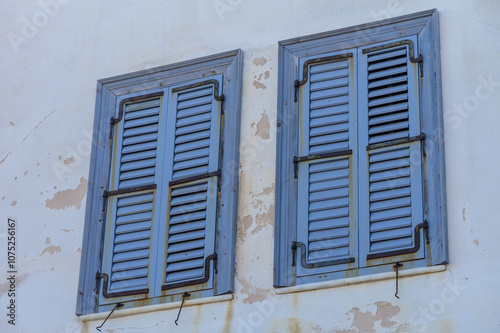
388, 95
390, 199
138, 152
132, 236
187, 231
328, 235
192, 132
329, 107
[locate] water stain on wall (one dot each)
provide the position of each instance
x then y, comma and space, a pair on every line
4, 287
68, 198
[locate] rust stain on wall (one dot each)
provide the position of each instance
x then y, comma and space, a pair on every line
259, 61
263, 127
51, 250
365, 321
68, 198
259, 85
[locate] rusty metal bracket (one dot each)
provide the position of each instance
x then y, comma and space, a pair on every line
305, 264
107, 294
113, 120
420, 137
396, 268
418, 60
204, 279
193, 178
129, 190
180, 309
305, 68
118, 305
298, 159
215, 83
414, 249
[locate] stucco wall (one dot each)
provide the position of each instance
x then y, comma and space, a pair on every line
51, 58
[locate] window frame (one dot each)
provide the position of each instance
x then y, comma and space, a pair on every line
109, 92
425, 26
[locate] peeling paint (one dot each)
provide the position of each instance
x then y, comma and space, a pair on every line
266, 75
463, 214
254, 294
365, 321
25, 172
12, 124
259, 61
51, 250
68, 198
14, 203
263, 127
67, 230
264, 219
244, 224
47, 240
258, 85
69, 160
476, 241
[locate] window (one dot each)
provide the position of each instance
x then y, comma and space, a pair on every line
360, 166
161, 209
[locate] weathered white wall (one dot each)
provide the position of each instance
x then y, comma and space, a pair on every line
47, 93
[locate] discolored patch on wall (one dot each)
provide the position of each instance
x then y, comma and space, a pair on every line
463, 214
254, 294
259, 85
11, 123
13, 203
365, 321
244, 224
51, 250
263, 127
68, 198
261, 61
69, 160
47, 240
264, 220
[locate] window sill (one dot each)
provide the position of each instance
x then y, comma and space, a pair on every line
153, 308
360, 279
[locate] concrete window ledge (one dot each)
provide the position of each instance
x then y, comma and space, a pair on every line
153, 308
360, 279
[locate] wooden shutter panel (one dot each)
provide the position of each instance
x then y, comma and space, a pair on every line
325, 165
131, 200
193, 186
394, 186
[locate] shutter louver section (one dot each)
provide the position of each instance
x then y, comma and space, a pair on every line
393, 156
324, 167
388, 95
390, 199
138, 153
131, 246
329, 107
192, 132
190, 234
328, 209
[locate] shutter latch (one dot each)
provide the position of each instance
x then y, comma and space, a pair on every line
305, 264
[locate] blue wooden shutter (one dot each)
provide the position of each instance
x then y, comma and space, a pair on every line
193, 183
325, 166
131, 198
391, 181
